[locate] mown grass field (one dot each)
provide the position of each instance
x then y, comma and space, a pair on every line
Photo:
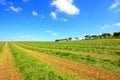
1, 45
72, 60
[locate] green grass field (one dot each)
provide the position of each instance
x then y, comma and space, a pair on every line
71, 60
106, 47
1, 45
33, 69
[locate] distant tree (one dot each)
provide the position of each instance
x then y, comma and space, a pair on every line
99, 36
76, 38
106, 35
70, 38
94, 36
87, 37
57, 40
116, 34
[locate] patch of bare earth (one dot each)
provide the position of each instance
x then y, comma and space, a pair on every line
84, 53
7, 67
73, 68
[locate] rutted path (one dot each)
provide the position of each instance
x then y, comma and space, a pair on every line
76, 52
74, 68
7, 67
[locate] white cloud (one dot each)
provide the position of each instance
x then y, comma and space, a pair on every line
116, 10
53, 14
109, 26
54, 34
42, 16
26, 1
35, 13
15, 9
115, 5
65, 20
49, 31
3, 2
25, 36
104, 27
66, 6
117, 24
10, 6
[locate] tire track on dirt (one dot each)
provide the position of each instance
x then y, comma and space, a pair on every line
74, 68
76, 52
8, 70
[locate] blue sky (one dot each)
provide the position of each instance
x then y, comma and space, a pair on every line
47, 20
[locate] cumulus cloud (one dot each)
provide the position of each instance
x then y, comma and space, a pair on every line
117, 24
42, 16
54, 34
115, 5
3, 2
49, 31
65, 6
15, 9
107, 26
35, 13
104, 27
53, 14
25, 36
10, 6
64, 19
118, 10
26, 1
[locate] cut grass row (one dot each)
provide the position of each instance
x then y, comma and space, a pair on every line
73, 68
109, 64
34, 69
110, 47
76, 52
1, 45
8, 71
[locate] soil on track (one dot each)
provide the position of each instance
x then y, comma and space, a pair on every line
83, 53
8, 70
73, 68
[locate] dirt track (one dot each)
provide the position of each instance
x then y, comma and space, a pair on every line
74, 68
8, 70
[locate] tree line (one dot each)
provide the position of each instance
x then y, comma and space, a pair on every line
103, 36
87, 37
